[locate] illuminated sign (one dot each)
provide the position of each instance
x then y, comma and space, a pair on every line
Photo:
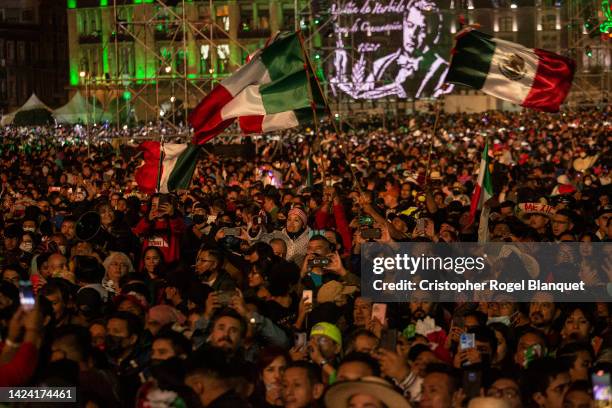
389, 48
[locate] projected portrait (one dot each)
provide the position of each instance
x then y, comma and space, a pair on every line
396, 50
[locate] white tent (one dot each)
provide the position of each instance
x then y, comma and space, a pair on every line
79, 110
32, 103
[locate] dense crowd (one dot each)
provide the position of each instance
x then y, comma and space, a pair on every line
244, 289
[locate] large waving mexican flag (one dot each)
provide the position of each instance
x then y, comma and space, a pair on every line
532, 78
275, 90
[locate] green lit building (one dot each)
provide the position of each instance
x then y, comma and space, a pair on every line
154, 51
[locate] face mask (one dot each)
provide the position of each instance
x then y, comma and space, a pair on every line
198, 219
26, 246
113, 345
29, 229
499, 319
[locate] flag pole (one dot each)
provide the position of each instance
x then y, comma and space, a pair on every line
310, 68
161, 161
433, 136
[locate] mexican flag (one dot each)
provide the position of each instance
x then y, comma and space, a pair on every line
532, 78
484, 187
177, 162
275, 90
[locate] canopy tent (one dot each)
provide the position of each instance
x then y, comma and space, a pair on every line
79, 110
32, 103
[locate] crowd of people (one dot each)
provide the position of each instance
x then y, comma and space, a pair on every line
244, 290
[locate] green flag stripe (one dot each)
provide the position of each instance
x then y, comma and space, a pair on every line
472, 59
487, 182
289, 93
284, 56
184, 168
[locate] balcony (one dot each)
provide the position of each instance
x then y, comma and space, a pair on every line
168, 35
254, 33
93, 38
120, 37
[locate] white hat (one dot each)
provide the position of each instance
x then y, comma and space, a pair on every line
339, 395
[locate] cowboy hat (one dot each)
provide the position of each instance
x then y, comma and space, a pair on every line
585, 163
524, 210
340, 394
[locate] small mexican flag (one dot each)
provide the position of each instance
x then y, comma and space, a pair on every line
484, 187
177, 162
532, 78
275, 90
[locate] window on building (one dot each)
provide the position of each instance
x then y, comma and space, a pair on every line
127, 60
506, 23
288, 19
246, 18
27, 16
223, 51
263, 18
10, 51
205, 63
222, 17
549, 22
20, 52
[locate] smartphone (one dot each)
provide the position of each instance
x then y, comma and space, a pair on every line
371, 233
388, 340
421, 225
472, 382
467, 341
602, 392
233, 232
26, 295
307, 294
300, 340
225, 296
379, 311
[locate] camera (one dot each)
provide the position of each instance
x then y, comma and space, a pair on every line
319, 261
371, 233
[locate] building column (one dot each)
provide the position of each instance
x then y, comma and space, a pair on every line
235, 51
146, 63
73, 47
276, 16
193, 54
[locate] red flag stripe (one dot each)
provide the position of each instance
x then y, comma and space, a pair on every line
251, 124
552, 82
206, 117
146, 175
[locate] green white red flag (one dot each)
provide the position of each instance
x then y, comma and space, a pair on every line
484, 187
172, 163
532, 78
275, 90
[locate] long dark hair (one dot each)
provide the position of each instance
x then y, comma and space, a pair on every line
160, 269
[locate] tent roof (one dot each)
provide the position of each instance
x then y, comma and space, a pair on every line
32, 103
79, 110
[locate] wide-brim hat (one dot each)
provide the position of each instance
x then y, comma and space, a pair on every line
339, 394
524, 210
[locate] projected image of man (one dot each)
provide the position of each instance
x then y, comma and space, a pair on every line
415, 58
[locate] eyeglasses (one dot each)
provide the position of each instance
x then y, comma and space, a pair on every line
506, 393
